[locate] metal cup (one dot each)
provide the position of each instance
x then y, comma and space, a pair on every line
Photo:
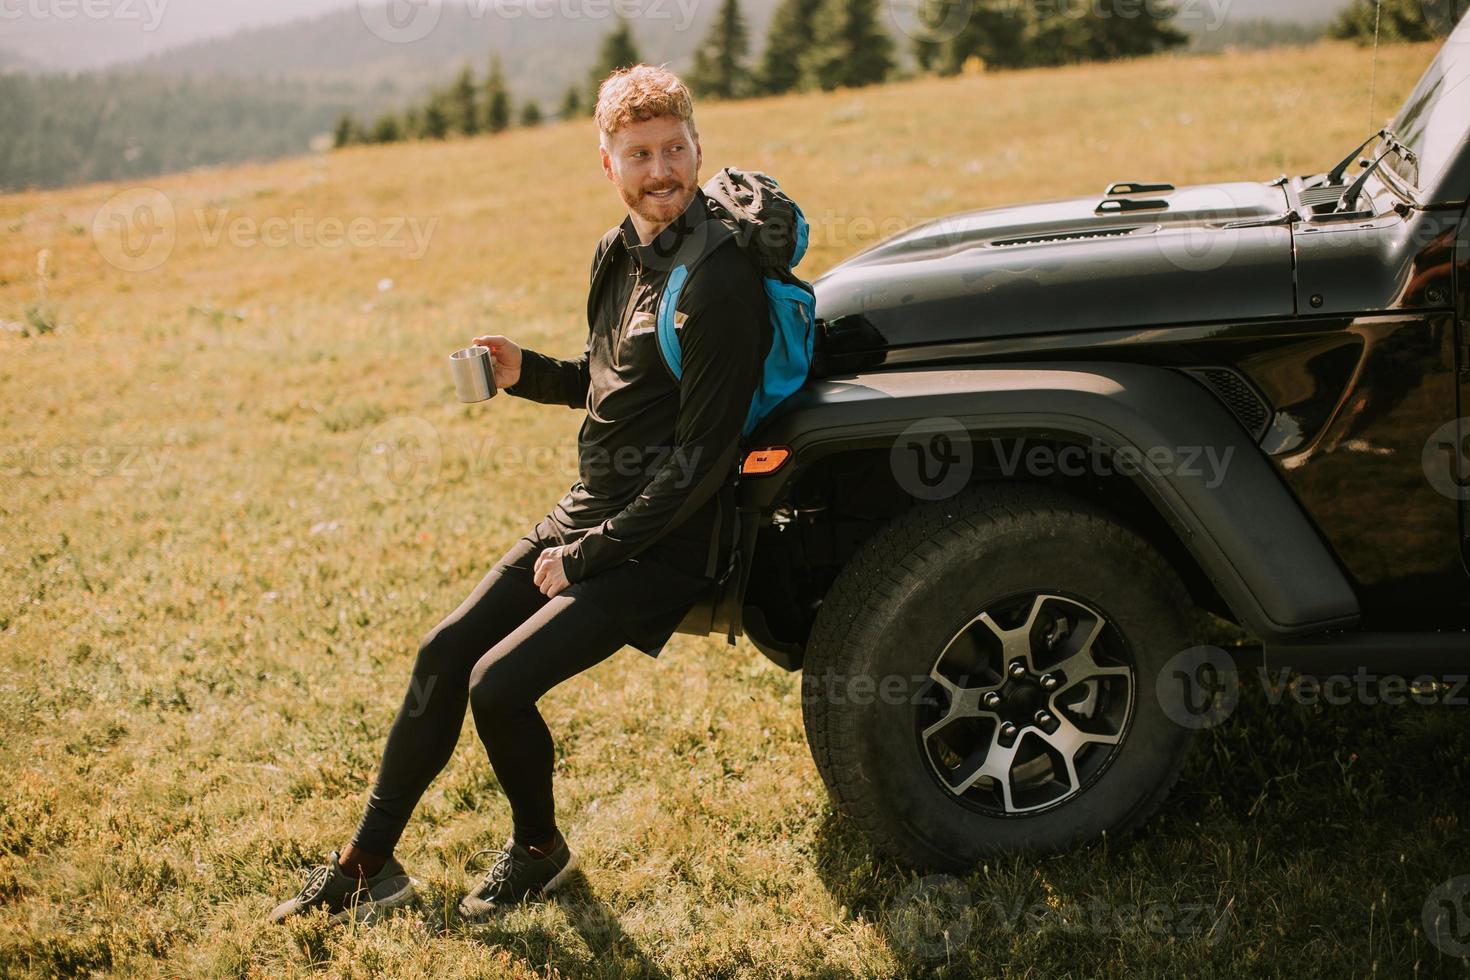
474, 375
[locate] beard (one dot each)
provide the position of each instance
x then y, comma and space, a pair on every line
641, 202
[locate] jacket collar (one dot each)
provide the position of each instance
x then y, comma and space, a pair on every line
657, 253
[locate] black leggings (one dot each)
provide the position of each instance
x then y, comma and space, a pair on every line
504, 647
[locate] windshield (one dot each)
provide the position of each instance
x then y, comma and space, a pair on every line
1434, 120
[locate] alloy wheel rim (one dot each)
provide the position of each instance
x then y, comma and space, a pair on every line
1027, 704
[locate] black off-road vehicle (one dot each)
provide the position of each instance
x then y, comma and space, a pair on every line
1038, 440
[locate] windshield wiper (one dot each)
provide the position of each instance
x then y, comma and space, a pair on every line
1393, 144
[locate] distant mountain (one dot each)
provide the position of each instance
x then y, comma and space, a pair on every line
1291, 11
542, 55
55, 38
1262, 33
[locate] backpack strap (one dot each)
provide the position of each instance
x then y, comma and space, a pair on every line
689, 256
599, 267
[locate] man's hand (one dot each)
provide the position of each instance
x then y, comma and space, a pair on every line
551, 573
506, 356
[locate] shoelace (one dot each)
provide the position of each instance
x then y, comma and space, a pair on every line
499, 871
316, 880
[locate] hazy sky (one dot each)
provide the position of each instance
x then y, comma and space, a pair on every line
75, 34
86, 33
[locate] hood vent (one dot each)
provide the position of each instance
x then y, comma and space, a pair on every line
1136, 187
1123, 205
1119, 199
1062, 237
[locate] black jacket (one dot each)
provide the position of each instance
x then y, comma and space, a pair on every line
657, 456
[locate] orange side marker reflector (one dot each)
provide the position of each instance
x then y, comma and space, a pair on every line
759, 462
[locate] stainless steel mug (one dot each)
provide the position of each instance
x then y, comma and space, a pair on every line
474, 374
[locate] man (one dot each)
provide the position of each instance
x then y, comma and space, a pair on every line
629, 548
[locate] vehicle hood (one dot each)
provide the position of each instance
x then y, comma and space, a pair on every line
1195, 254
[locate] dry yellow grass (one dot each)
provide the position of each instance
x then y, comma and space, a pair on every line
211, 590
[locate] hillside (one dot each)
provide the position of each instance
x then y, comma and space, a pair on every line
239, 490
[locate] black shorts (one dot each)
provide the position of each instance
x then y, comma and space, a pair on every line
646, 595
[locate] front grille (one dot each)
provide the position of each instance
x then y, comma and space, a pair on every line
1239, 395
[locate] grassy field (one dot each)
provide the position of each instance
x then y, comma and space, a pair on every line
237, 490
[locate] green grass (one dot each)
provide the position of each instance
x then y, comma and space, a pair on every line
212, 585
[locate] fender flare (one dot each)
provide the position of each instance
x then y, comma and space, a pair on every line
1247, 532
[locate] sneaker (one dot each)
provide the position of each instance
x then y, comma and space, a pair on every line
346, 896
516, 875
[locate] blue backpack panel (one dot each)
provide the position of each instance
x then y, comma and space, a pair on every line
772, 230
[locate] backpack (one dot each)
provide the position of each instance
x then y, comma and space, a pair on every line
772, 231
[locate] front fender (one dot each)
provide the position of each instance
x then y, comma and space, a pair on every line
1242, 524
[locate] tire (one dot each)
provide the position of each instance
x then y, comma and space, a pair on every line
901, 620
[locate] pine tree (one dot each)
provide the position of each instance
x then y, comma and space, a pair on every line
571, 103
530, 114
849, 46
435, 122
618, 51
789, 34
719, 63
1002, 36
346, 132
387, 129
497, 98
1399, 20
464, 113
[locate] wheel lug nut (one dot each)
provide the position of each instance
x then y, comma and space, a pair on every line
992, 700
1018, 669
1049, 682
1042, 718
1008, 730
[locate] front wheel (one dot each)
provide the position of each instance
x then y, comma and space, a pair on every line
982, 678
